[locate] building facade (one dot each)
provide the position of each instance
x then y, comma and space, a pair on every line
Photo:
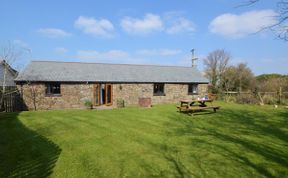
60, 85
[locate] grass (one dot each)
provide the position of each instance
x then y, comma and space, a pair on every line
237, 141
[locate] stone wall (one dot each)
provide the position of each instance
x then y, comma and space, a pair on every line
130, 93
202, 89
74, 95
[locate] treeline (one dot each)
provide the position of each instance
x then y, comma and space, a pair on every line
237, 82
272, 82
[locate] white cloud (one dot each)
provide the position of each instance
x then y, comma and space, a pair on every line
21, 43
237, 26
53, 32
148, 24
96, 55
177, 23
161, 56
181, 25
98, 28
158, 52
61, 50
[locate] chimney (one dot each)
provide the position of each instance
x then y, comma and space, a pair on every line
193, 58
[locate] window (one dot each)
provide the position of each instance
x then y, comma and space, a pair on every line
53, 89
158, 89
192, 89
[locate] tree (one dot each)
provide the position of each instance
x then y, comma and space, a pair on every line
272, 82
238, 78
11, 55
281, 27
229, 79
215, 65
8, 56
246, 79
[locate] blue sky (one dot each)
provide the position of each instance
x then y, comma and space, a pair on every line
144, 32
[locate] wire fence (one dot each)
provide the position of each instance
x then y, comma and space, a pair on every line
273, 98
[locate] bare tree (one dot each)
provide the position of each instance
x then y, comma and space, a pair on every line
281, 27
215, 65
34, 94
8, 55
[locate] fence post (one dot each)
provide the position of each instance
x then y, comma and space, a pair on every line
261, 99
280, 95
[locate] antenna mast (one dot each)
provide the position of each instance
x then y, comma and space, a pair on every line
193, 58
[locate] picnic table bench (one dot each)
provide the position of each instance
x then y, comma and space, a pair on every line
192, 102
190, 105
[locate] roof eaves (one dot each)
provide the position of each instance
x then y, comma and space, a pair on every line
13, 71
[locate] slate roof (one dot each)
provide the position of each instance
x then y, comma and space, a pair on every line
10, 75
50, 71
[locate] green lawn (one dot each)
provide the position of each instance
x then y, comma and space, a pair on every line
237, 141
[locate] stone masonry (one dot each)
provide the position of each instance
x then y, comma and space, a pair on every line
130, 93
74, 95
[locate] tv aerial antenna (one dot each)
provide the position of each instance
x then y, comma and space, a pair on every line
193, 58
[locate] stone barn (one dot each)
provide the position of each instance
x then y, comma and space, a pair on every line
59, 85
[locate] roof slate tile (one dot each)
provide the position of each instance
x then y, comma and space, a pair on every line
49, 71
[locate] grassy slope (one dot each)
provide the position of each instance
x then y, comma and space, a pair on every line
237, 141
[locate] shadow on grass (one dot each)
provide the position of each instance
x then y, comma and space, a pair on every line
202, 112
23, 152
238, 134
170, 154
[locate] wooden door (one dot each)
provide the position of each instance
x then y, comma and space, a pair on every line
96, 95
109, 93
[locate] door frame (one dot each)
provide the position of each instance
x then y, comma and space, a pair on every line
111, 94
96, 93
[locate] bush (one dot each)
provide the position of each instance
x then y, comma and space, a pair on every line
284, 102
268, 99
246, 99
120, 103
88, 104
229, 99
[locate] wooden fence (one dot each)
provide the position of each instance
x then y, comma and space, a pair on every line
12, 102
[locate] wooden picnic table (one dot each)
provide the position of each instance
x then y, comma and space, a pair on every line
192, 102
189, 106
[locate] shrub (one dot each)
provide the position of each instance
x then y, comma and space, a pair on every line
120, 103
284, 102
268, 99
88, 104
246, 99
230, 99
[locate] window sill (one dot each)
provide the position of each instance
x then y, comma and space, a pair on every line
193, 93
53, 95
159, 94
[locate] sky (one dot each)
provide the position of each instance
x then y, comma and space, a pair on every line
160, 32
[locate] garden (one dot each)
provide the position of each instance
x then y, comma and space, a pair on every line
238, 141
